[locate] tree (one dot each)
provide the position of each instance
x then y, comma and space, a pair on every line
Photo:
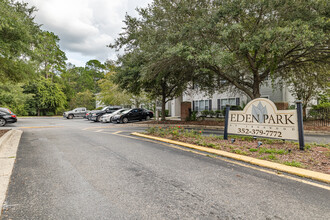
241, 42
18, 33
96, 70
161, 78
307, 82
111, 94
150, 64
83, 99
49, 56
12, 97
48, 97
83, 80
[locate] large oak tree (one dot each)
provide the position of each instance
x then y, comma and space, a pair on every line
240, 42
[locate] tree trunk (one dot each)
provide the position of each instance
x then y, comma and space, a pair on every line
256, 90
304, 108
137, 103
38, 112
163, 108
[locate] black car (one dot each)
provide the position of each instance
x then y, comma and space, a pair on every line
7, 116
96, 115
133, 115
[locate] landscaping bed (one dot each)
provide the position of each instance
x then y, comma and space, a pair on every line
2, 132
308, 126
315, 157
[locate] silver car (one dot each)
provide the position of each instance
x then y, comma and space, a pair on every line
108, 117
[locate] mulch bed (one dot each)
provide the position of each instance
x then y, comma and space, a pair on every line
315, 157
2, 132
308, 126
175, 122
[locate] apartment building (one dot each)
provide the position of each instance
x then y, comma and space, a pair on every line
202, 101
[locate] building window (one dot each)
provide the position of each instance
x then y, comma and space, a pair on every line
202, 105
228, 101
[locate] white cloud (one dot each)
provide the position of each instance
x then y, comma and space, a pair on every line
85, 27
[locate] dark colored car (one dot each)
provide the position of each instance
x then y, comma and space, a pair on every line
7, 116
133, 115
96, 116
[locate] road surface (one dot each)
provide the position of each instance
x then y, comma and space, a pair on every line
76, 169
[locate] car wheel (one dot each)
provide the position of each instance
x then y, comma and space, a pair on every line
125, 120
70, 117
2, 122
148, 117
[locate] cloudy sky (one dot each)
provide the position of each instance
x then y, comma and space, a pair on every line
85, 27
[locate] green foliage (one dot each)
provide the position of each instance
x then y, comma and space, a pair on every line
271, 151
83, 99
18, 35
272, 157
238, 151
192, 117
320, 111
308, 81
205, 113
110, 93
175, 131
212, 113
47, 97
325, 106
167, 113
149, 64
49, 56
232, 107
12, 97
293, 163
218, 113
241, 43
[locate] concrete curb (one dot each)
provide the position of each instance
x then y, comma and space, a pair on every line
263, 163
8, 148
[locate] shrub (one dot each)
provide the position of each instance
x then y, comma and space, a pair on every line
167, 113
320, 111
212, 113
205, 113
232, 107
218, 113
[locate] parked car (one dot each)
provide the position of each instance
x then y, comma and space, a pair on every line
96, 116
133, 115
77, 112
89, 114
7, 116
106, 118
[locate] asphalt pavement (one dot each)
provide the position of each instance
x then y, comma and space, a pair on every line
76, 169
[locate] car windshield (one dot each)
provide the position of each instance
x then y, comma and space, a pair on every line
105, 108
